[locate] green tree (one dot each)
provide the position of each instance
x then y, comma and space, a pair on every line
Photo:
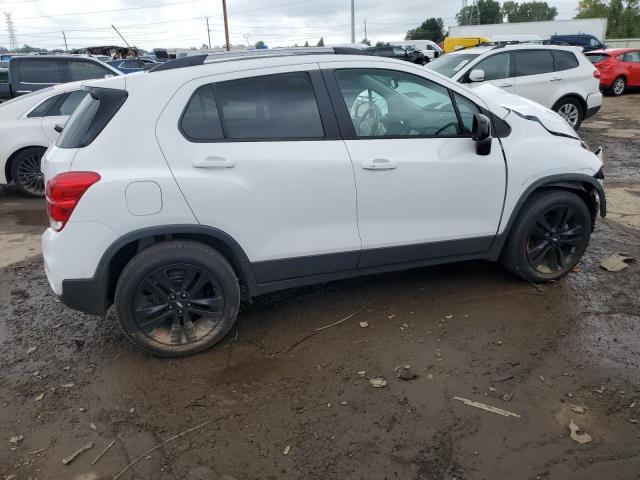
623, 16
306, 44
484, 12
514, 12
430, 29
321, 42
366, 41
260, 45
381, 44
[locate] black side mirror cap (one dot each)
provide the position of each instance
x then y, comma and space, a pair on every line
58, 128
481, 134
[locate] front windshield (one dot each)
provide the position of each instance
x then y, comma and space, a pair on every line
449, 65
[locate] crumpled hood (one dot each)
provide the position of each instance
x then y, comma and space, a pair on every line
525, 108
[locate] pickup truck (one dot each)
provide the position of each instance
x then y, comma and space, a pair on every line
30, 73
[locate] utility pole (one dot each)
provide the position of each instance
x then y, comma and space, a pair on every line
66, 48
365, 30
208, 32
13, 41
226, 25
353, 21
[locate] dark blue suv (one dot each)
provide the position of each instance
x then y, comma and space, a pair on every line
586, 41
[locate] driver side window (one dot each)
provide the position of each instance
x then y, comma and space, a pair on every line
387, 103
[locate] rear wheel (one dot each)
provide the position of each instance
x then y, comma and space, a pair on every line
177, 298
549, 237
571, 110
26, 172
618, 86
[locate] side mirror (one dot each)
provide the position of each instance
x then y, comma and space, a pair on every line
58, 128
476, 76
481, 134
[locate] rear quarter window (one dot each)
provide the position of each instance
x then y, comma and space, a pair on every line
565, 60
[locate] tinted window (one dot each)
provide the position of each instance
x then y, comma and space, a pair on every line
594, 43
41, 71
565, 60
533, 62
200, 120
70, 103
273, 106
132, 64
398, 51
495, 67
467, 111
42, 109
449, 65
597, 57
80, 70
391, 103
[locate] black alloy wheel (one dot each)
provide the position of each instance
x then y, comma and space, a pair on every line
555, 238
178, 304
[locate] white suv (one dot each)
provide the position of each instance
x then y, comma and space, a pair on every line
173, 193
560, 78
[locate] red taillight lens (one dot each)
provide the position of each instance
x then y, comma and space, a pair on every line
596, 73
63, 194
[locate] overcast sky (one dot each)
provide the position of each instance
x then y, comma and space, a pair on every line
181, 23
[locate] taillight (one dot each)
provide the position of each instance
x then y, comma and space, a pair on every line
63, 194
596, 73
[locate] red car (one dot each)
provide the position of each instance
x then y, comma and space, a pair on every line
619, 68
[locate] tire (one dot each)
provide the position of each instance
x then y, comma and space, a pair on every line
177, 298
571, 110
618, 86
540, 228
26, 172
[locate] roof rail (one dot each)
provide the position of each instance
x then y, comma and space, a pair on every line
194, 60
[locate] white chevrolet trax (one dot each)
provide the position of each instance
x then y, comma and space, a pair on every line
174, 193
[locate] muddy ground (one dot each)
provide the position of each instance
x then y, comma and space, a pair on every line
469, 330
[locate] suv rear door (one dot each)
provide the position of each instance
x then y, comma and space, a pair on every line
536, 78
259, 156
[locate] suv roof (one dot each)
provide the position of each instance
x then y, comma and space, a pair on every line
512, 46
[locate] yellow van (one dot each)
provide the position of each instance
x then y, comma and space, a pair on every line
452, 44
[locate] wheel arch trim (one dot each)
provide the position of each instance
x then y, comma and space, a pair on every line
95, 295
565, 181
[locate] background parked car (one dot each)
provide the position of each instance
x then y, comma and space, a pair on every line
430, 49
133, 65
399, 53
27, 128
587, 42
619, 68
30, 73
558, 77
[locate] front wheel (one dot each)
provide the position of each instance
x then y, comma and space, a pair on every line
571, 110
177, 298
549, 236
26, 172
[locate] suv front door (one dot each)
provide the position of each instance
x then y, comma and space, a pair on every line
497, 71
258, 155
423, 192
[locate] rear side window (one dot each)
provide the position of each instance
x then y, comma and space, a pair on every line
631, 57
200, 120
270, 107
597, 57
564, 60
42, 109
92, 115
69, 105
81, 70
533, 62
40, 71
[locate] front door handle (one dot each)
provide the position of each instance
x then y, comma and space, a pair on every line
379, 164
555, 79
213, 162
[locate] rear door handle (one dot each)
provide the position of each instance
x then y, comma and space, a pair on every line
555, 79
503, 85
379, 164
213, 162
